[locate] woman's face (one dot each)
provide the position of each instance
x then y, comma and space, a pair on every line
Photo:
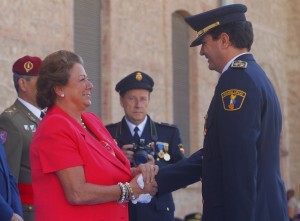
77, 93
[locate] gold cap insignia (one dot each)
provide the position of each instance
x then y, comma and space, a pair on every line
139, 76
207, 28
28, 66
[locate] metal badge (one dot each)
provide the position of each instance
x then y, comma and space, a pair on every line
167, 157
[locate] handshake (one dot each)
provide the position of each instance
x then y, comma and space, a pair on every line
143, 185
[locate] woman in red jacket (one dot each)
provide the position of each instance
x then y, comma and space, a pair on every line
78, 172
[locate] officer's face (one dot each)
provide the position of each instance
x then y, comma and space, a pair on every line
135, 103
213, 50
28, 89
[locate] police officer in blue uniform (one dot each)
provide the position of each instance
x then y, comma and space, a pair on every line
10, 202
137, 133
240, 167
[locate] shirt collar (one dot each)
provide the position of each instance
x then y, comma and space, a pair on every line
229, 63
36, 111
141, 126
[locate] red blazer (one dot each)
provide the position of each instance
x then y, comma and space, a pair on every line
61, 142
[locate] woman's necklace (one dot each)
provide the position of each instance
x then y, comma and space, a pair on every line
105, 144
82, 123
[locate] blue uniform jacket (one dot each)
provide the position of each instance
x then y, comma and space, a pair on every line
160, 208
240, 172
9, 195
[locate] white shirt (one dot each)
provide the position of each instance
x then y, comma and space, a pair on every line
36, 111
141, 126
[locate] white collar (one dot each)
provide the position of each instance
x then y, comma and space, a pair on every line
141, 126
229, 63
36, 111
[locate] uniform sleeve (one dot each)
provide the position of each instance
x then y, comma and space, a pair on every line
13, 204
12, 145
174, 144
6, 211
180, 174
15, 195
58, 146
238, 117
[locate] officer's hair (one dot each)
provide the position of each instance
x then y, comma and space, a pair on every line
240, 33
16, 78
55, 71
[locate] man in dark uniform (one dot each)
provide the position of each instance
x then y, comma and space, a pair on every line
241, 169
18, 124
10, 203
163, 140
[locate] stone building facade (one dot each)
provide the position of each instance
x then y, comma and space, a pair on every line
137, 35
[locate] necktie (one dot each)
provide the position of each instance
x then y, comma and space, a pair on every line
136, 136
42, 114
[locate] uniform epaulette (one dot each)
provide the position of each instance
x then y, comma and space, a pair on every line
110, 125
167, 124
11, 110
239, 64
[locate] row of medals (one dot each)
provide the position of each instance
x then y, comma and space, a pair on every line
163, 149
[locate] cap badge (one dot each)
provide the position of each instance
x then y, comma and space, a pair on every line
139, 76
28, 66
233, 99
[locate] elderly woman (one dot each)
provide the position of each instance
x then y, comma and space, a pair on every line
78, 172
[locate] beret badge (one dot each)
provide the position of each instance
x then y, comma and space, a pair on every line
28, 66
139, 76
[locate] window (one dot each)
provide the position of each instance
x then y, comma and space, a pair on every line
180, 55
87, 43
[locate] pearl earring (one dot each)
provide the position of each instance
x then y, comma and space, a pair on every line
62, 95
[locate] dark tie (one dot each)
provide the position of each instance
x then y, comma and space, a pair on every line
136, 136
42, 114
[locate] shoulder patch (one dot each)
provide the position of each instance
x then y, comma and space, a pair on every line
233, 99
239, 64
3, 136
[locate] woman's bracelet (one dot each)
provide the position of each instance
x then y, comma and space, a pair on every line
130, 190
124, 193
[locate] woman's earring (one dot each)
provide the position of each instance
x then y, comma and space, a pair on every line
62, 95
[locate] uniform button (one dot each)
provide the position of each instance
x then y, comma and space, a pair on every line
168, 209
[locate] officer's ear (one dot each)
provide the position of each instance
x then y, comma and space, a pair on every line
225, 40
22, 82
121, 100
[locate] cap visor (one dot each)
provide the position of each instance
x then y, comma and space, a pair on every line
196, 42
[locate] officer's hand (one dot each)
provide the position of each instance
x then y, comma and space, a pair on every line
150, 188
148, 171
16, 217
151, 159
127, 150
